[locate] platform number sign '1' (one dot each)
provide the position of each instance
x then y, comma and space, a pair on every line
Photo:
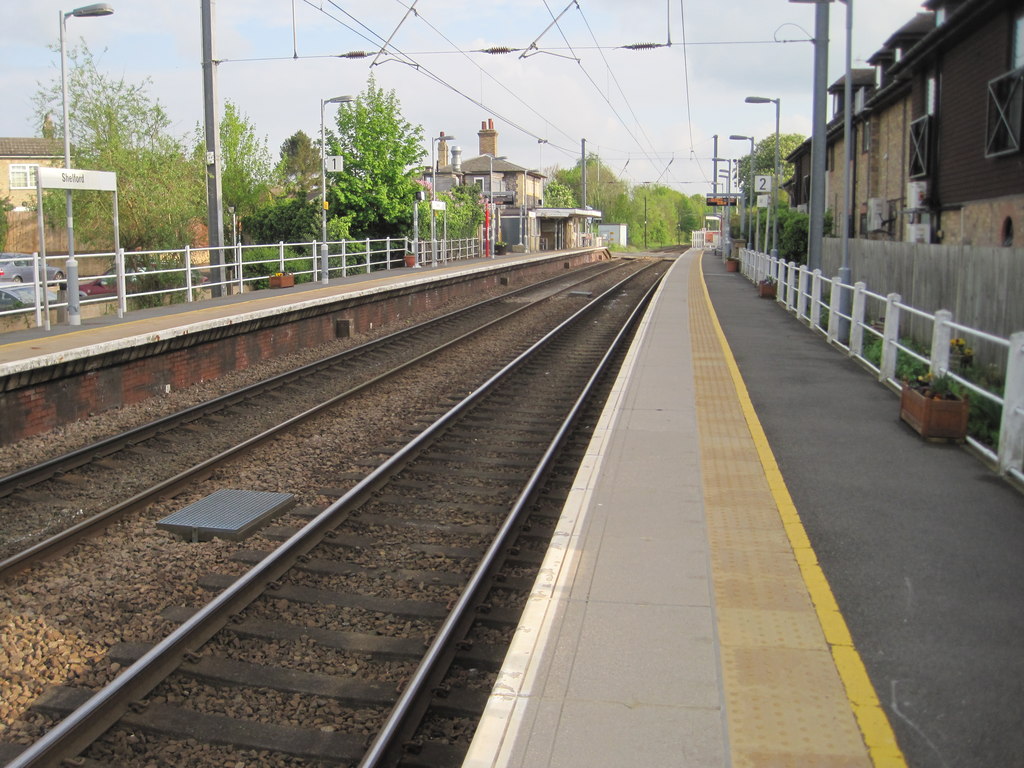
762, 184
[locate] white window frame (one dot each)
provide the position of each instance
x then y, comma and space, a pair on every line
28, 169
1017, 44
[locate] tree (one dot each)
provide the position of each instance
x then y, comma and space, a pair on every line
558, 195
764, 162
299, 168
382, 152
116, 126
248, 167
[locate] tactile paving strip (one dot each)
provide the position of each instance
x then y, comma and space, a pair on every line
227, 514
786, 704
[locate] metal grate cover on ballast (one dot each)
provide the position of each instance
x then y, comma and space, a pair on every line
227, 513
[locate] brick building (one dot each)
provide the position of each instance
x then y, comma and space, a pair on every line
938, 131
19, 158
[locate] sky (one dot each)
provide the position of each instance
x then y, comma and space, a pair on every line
649, 114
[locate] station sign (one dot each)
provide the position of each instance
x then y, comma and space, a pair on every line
71, 178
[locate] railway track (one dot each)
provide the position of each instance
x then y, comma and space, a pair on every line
315, 655
81, 491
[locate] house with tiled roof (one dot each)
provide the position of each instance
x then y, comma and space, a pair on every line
19, 158
520, 218
938, 136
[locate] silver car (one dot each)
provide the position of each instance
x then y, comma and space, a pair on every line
17, 267
20, 296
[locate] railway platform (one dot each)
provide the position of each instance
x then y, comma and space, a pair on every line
761, 566
758, 566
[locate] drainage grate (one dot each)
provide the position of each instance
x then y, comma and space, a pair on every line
228, 513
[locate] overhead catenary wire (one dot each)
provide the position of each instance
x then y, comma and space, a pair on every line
504, 87
402, 57
382, 46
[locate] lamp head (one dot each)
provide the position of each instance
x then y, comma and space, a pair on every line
96, 9
736, 137
339, 100
444, 137
757, 100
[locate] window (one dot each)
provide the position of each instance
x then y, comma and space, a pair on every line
865, 136
1005, 106
919, 147
1017, 53
931, 95
23, 176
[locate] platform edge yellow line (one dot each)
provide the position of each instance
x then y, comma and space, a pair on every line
867, 709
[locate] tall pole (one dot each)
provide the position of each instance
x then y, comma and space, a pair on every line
583, 169
71, 267
645, 218
818, 137
324, 261
714, 178
211, 126
845, 271
775, 183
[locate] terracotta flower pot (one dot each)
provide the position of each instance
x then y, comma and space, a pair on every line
732, 265
282, 281
934, 418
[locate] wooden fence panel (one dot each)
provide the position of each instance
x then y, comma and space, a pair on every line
982, 287
23, 234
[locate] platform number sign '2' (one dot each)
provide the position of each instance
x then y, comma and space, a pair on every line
762, 184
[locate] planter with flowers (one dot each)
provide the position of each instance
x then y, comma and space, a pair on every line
282, 280
933, 409
766, 288
961, 356
732, 265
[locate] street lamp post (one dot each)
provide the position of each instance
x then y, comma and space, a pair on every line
726, 214
816, 233
433, 193
775, 181
746, 222
490, 201
71, 268
325, 276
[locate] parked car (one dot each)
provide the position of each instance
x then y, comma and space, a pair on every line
17, 267
20, 296
104, 285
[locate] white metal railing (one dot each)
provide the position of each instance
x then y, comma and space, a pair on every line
190, 274
843, 314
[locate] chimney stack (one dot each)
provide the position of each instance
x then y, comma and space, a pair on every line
488, 138
442, 151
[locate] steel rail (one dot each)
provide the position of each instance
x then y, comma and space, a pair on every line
81, 727
60, 542
414, 698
